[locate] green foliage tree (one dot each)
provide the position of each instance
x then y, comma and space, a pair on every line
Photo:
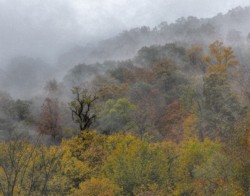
238, 151
22, 110
218, 106
222, 106
115, 115
14, 112
169, 80
192, 154
136, 165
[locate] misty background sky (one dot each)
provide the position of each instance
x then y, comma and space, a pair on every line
45, 28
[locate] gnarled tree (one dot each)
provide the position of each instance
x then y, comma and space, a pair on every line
82, 108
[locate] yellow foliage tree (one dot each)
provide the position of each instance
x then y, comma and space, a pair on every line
83, 157
190, 127
221, 58
191, 155
135, 163
98, 187
27, 169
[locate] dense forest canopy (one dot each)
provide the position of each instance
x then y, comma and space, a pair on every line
151, 111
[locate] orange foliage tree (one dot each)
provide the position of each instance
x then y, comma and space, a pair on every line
49, 123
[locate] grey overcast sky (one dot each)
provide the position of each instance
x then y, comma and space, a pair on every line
42, 27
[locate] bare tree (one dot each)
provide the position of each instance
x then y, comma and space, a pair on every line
82, 108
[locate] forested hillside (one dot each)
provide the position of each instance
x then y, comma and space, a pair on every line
232, 28
149, 113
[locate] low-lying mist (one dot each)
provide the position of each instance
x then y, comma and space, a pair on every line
128, 97
47, 42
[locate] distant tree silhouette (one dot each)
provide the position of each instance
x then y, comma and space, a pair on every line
82, 108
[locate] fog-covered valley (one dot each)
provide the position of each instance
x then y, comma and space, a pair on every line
124, 98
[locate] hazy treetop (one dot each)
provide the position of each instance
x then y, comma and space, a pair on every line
43, 28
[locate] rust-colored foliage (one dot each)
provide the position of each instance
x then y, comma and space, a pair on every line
164, 69
49, 123
108, 91
172, 121
143, 75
